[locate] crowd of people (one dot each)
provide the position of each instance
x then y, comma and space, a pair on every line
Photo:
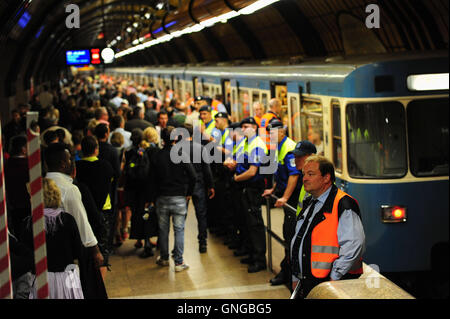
120, 159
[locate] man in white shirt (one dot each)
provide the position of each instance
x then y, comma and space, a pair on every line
60, 167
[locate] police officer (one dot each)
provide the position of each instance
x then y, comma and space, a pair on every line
222, 212
252, 183
329, 237
286, 188
208, 124
239, 224
302, 151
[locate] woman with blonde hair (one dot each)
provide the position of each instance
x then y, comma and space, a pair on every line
151, 136
63, 245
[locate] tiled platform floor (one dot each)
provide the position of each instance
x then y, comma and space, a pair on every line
216, 274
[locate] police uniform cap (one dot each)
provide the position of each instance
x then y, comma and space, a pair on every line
275, 125
206, 108
234, 125
304, 148
249, 120
222, 115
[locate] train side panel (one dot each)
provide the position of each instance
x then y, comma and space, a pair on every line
404, 246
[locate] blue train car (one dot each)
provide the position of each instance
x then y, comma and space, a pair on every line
382, 120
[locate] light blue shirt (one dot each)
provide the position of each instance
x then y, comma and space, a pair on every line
350, 234
221, 108
126, 137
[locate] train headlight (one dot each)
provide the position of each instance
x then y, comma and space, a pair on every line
393, 214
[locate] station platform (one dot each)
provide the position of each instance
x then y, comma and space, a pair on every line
216, 274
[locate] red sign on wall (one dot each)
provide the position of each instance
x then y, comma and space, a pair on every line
95, 56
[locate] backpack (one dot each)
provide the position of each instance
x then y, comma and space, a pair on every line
138, 167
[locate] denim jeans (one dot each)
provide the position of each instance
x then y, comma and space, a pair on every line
174, 206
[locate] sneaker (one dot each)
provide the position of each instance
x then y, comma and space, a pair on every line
181, 267
202, 248
162, 262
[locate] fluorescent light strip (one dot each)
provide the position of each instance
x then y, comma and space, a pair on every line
428, 82
198, 27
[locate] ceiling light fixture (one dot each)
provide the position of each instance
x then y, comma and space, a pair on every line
197, 27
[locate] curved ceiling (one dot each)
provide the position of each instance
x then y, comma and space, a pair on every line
34, 36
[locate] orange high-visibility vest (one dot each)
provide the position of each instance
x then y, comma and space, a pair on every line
265, 119
215, 104
325, 245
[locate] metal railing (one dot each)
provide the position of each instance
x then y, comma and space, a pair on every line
269, 230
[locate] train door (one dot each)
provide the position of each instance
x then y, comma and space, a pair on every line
207, 89
256, 97
160, 88
235, 117
219, 92
294, 116
336, 135
226, 93
188, 87
196, 82
311, 118
279, 90
244, 103
180, 88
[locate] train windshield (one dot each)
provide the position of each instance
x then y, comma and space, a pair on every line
428, 137
376, 140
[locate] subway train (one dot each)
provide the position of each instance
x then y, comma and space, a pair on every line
383, 120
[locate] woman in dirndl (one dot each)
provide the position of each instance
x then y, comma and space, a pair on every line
63, 245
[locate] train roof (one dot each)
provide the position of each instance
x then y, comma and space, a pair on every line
350, 77
337, 66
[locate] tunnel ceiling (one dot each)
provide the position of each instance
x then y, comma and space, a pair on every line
34, 35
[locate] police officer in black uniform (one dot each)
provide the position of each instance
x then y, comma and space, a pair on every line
252, 182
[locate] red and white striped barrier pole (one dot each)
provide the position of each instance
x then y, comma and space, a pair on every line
37, 207
5, 269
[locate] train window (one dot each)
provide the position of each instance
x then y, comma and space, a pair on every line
337, 136
311, 118
244, 104
255, 96
197, 87
264, 100
179, 89
280, 92
428, 137
206, 90
295, 119
376, 140
188, 88
226, 87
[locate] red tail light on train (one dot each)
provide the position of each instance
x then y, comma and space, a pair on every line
393, 214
